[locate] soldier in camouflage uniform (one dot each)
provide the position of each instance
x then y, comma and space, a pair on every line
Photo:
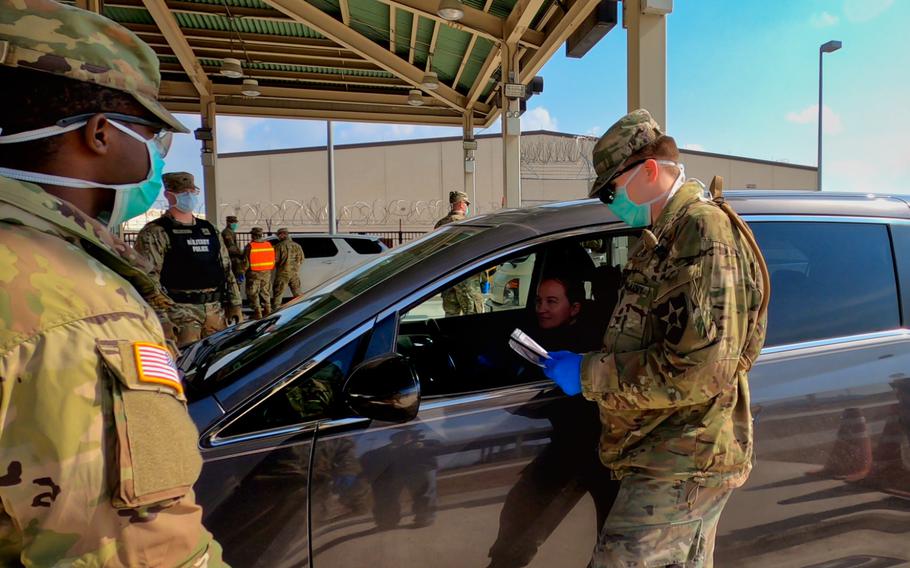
464, 297
671, 380
288, 258
192, 262
258, 274
98, 455
229, 236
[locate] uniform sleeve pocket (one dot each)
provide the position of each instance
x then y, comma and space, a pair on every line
682, 277
156, 441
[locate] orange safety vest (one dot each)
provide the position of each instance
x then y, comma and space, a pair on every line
262, 256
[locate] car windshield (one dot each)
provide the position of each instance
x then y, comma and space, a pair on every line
215, 358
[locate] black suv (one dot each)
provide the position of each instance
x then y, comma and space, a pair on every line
360, 426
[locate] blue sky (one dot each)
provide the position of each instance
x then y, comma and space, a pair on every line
742, 80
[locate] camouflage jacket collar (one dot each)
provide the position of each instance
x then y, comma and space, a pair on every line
68, 222
691, 191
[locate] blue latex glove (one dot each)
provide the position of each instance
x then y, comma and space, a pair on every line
564, 368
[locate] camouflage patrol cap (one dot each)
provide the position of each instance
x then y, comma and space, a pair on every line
256, 231
47, 36
630, 134
178, 181
456, 196
282, 230
231, 219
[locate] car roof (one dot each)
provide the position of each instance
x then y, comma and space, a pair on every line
583, 212
329, 235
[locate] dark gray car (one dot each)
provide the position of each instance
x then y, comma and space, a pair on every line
359, 426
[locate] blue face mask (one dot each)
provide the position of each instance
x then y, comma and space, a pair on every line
186, 201
639, 214
631, 213
234, 227
130, 199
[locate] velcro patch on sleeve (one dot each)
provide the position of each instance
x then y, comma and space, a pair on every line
154, 364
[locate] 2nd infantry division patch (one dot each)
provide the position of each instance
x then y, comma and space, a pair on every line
155, 365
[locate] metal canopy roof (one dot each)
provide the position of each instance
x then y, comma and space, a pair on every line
344, 59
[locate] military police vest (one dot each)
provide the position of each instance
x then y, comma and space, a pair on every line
193, 261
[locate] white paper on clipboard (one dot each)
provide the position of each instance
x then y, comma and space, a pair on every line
521, 343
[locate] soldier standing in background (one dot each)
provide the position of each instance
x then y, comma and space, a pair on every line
229, 236
288, 258
671, 380
191, 262
464, 297
259, 261
98, 455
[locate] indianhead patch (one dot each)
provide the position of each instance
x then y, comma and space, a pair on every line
154, 364
673, 316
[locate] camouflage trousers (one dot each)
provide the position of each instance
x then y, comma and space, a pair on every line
195, 321
282, 280
259, 292
463, 298
652, 523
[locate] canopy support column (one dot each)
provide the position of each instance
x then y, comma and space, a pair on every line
646, 25
209, 157
511, 130
470, 147
330, 155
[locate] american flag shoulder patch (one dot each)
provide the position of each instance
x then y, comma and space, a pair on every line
154, 364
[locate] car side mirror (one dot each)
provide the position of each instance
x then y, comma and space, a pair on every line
383, 388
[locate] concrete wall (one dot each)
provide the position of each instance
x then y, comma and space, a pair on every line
383, 186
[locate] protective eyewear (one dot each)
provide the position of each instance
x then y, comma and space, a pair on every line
608, 193
162, 139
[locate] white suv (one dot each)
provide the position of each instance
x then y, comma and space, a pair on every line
327, 255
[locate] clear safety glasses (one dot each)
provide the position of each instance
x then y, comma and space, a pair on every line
162, 139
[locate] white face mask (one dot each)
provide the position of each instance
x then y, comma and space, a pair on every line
130, 200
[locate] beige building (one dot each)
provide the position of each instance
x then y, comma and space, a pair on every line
387, 185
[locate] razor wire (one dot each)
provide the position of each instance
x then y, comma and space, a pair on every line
294, 213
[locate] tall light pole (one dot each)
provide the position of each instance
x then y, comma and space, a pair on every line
827, 47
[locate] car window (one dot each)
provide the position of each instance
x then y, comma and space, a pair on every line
901, 236
504, 286
508, 285
470, 352
317, 247
364, 246
828, 280
219, 359
313, 396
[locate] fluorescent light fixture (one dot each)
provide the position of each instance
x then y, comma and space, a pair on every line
415, 97
230, 67
451, 10
250, 88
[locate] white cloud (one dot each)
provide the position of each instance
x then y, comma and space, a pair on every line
367, 132
850, 164
595, 131
233, 131
538, 118
696, 147
809, 115
858, 11
823, 20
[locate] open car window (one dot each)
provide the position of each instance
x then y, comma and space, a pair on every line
457, 349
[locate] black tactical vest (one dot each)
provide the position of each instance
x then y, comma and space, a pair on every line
193, 261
